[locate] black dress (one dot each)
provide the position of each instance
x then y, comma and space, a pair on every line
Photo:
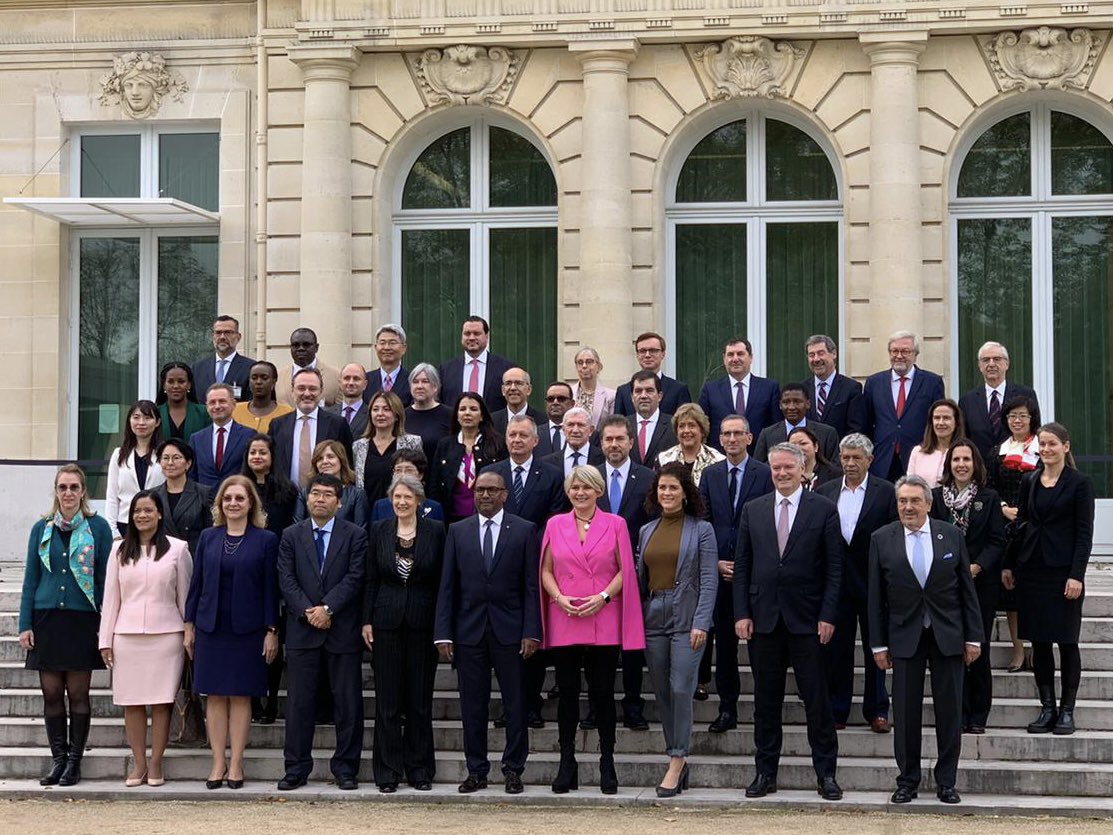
1006, 481
431, 424
1045, 614
378, 469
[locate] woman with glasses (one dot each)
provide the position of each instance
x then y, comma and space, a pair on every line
186, 504
587, 391
426, 417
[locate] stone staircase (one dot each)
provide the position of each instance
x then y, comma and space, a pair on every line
1006, 761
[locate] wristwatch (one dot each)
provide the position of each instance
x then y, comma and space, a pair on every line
606, 597
272, 630
328, 610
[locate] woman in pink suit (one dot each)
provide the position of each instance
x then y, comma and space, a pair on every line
142, 631
587, 618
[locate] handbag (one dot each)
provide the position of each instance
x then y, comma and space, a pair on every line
187, 720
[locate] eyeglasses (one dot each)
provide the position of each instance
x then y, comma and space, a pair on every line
987, 360
649, 351
389, 343
512, 384
557, 398
172, 459
901, 352
1018, 416
489, 491
224, 333
69, 488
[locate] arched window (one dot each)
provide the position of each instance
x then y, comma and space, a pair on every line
753, 228
475, 232
1032, 215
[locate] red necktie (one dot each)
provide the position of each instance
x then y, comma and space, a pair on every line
473, 382
219, 447
901, 394
641, 438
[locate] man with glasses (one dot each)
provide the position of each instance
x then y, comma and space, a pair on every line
390, 348
229, 365
550, 432
982, 406
649, 348
516, 389
895, 405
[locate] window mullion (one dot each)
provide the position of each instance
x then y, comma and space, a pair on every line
755, 161
148, 313
1043, 314
755, 293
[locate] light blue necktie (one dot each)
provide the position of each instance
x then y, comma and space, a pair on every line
919, 558
221, 370
615, 495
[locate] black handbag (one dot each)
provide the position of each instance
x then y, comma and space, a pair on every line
187, 720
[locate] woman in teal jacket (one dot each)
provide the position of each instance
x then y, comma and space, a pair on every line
59, 616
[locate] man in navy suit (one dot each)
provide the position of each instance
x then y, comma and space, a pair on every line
218, 449
650, 425
578, 450
983, 407
516, 389
350, 405
787, 575
650, 350
390, 348
866, 503
320, 572
795, 407
726, 487
832, 395
478, 370
489, 618
297, 434
536, 488
229, 365
895, 406
550, 433
740, 393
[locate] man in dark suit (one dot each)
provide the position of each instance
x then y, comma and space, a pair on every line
297, 434
794, 406
923, 614
627, 486
390, 347
650, 426
833, 396
866, 503
218, 448
477, 370
229, 365
578, 450
727, 486
351, 405
516, 389
787, 574
536, 488
550, 432
895, 405
740, 393
650, 350
320, 572
982, 407
489, 618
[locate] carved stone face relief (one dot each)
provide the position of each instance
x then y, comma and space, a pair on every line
465, 74
1043, 58
138, 82
748, 66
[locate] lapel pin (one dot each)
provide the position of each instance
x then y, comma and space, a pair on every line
939, 536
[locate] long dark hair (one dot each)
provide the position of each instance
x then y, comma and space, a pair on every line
693, 501
979, 477
1063, 434
820, 458
191, 395
930, 443
149, 409
492, 443
1022, 401
277, 486
130, 549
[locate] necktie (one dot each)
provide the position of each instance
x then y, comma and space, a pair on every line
519, 487
641, 438
349, 413
615, 494
575, 460
782, 527
739, 399
557, 446
995, 412
919, 558
304, 452
821, 399
219, 447
221, 370
388, 383
473, 381
732, 488
902, 394
319, 538
488, 544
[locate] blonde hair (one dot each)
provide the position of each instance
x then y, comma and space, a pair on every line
256, 518
695, 413
585, 475
71, 469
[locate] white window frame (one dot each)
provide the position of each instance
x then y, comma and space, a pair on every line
756, 212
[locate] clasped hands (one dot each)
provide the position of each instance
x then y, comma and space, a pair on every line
318, 617
581, 607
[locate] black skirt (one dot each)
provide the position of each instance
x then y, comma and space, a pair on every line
65, 641
1045, 614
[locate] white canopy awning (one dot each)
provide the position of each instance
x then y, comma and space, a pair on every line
112, 211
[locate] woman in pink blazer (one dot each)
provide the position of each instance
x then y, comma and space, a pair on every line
588, 392
587, 617
142, 630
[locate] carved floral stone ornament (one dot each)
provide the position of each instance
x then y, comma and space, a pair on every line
749, 66
138, 82
467, 74
1043, 58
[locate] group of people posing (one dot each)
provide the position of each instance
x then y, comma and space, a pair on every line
305, 515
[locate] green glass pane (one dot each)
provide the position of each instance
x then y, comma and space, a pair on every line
519, 174
524, 301
189, 168
1081, 157
999, 164
710, 297
715, 171
441, 177
1082, 261
108, 348
994, 295
795, 166
187, 291
110, 166
802, 292
436, 277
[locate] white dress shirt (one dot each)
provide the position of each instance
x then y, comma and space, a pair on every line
793, 506
650, 427
385, 375
482, 370
227, 435
1000, 395
745, 383
569, 451
298, 423
894, 379
850, 504
495, 529
525, 465
623, 474
327, 528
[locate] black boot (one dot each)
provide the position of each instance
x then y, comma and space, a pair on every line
568, 775
59, 748
1064, 725
79, 733
608, 779
1046, 720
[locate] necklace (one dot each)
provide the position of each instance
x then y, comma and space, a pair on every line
586, 522
231, 548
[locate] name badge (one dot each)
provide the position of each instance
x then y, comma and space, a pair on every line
236, 390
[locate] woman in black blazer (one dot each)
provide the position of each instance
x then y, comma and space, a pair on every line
1055, 517
817, 469
471, 445
400, 602
188, 504
963, 500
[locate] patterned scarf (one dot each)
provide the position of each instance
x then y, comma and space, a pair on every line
959, 503
81, 554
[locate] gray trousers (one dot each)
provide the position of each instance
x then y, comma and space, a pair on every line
673, 669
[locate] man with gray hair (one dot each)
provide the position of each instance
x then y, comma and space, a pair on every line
390, 348
516, 389
983, 407
578, 450
833, 396
923, 615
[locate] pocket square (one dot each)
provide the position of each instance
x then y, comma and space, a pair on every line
949, 556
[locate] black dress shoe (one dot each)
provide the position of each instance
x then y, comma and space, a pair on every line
588, 722
214, 784
947, 794
422, 786
534, 719
267, 719
701, 694
388, 788
762, 785
635, 721
723, 722
291, 782
500, 721
473, 783
904, 794
347, 784
977, 730
513, 783
828, 789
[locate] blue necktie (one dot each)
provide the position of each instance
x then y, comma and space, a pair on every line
319, 536
732, 488
488, 545
519, 487
221, 370
919, 558
615, 495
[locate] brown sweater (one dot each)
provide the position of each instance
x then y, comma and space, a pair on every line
662, 552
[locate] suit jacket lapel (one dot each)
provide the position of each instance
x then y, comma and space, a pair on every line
627, 491
687, 531
871, 498
797, 524
501, 546
749, 475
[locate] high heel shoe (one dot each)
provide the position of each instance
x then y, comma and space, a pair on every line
215, 784
683, 784
132, 782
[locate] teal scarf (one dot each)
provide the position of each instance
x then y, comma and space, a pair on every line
81, 554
